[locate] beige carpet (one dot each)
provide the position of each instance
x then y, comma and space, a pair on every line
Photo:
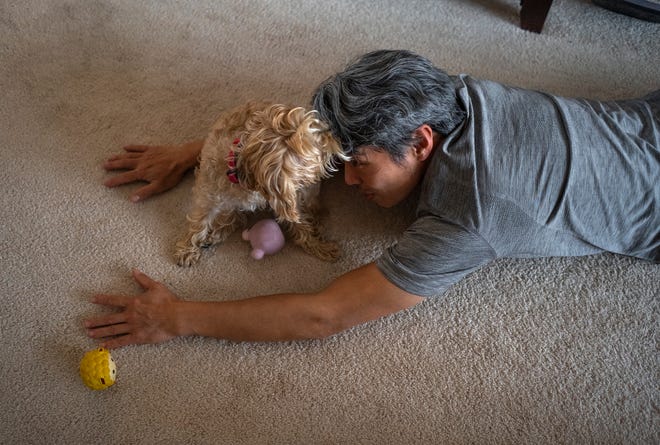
540, 352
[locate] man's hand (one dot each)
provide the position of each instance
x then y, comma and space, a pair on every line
162, 167
146, 318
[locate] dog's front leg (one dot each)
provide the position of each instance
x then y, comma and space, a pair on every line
306, 234
189, 248
206, 228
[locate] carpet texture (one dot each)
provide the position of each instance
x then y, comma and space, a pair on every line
540, 351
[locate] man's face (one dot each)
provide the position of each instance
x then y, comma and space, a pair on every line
381, 179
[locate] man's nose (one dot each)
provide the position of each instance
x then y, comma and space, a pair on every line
350, 175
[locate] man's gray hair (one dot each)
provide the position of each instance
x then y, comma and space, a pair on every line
383, 97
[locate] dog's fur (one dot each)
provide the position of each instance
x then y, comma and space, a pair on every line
283, 154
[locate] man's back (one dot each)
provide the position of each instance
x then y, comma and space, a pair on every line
538, 175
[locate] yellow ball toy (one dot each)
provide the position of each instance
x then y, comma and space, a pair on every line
97, 369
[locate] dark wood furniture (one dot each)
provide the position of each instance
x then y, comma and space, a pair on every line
533, 14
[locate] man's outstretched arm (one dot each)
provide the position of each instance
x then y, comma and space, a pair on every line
157, 315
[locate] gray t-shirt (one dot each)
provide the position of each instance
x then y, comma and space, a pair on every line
527, 175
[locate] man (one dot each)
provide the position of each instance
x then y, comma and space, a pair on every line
502, 172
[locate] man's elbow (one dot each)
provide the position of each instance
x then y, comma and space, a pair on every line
319, 328
325, 324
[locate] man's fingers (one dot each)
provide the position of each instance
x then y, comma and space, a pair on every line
110, 300
146, 192
109, 331
136, 148
122, 178
143, 280
118, 342
122, 162
105, 320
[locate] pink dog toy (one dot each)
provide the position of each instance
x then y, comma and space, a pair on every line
265, 237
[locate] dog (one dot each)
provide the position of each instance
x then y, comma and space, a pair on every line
258, 156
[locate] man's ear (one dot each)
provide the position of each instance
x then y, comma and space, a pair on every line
425, 142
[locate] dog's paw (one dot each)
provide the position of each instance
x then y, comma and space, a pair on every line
324, 250
187, 256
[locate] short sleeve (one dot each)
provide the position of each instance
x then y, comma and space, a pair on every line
432, 255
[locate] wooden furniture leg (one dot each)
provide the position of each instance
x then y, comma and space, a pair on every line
533, 14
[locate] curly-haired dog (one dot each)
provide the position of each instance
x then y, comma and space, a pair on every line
258, 156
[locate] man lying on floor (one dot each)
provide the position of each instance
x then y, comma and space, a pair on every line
502, 172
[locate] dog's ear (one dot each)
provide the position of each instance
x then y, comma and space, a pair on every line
281, 192
285, 205
316, 144
331, 151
